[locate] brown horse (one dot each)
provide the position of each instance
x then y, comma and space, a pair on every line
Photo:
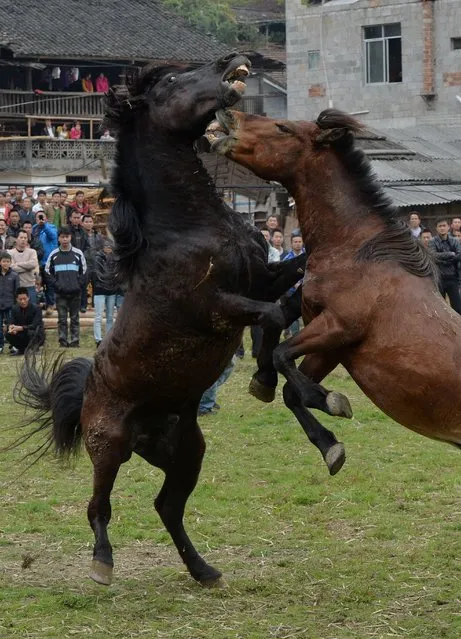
195, 274
370, 300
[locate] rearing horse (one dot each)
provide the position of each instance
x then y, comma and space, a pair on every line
370, 300
195, 272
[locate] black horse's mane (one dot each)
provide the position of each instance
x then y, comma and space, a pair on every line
395, 243
127, 218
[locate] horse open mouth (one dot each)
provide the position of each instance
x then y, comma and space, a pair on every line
235, 78
221, 128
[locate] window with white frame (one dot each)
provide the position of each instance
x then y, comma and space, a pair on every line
383, 53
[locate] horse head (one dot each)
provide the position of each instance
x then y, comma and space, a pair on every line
277, 149
177, 99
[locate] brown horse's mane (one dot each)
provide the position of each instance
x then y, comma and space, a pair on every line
396, 242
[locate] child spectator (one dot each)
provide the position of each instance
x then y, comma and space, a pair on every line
26, 324
9, 282
76, 131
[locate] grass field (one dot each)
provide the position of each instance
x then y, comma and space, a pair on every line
372, 552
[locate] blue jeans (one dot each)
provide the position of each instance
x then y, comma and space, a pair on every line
209, 396
119, 300
32, 294
101, 301
4, 319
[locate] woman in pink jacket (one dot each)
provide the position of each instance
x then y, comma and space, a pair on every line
76, 131
102, 84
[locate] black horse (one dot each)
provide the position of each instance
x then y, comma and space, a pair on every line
195, 276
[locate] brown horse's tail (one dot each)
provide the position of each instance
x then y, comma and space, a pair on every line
54, 391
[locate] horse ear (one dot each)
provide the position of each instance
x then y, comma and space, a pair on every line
331, 136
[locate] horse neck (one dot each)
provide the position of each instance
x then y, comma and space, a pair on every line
330, 212
167, 183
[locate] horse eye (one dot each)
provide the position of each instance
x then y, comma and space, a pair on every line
172, 78
283, 128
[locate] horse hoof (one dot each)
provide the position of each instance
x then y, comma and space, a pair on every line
263, 393
338, 405
101, 573
217, 582
335, 458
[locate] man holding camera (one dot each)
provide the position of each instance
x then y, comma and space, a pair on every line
48, 235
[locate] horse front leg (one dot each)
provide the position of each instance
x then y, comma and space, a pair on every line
182, 464
315, 367
264, 381
243, 311
286, 274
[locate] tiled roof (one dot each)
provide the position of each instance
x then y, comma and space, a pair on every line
101, 29
424, 195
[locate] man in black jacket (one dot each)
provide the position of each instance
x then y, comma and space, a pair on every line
26, 324
81, 241
66, 270
447, 251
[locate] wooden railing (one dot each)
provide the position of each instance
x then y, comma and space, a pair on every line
50, 103
53, 105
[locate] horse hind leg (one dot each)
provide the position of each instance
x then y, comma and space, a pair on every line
108, 448
180, 456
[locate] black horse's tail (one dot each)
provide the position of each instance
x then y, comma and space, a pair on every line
54, 391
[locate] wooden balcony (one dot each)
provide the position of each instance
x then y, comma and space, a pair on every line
42, 153
56, 106
14, 104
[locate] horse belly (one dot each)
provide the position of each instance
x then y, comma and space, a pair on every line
418, 389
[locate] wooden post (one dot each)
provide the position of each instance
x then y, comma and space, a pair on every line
29, 127
91, 129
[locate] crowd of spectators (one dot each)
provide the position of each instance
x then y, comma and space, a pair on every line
49, 250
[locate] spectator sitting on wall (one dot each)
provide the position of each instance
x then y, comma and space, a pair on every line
414, 222
26, 324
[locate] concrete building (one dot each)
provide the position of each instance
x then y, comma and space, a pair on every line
399, 59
